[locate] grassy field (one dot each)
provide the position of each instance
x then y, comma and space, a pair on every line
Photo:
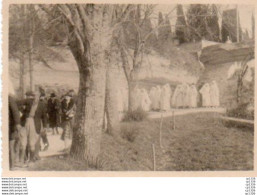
199, 142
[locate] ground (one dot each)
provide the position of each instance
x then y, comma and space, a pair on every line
200, 141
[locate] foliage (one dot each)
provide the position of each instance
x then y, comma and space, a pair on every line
181, 24
135, 115
242, 111
164, 30
229, 26
129, 132
202, 21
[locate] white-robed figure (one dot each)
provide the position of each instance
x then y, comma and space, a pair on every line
145, 100
185, 95
214, 94
177, 98
193, 94
158, 97
152, 96
205, 92
165, 97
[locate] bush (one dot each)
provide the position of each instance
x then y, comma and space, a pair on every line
136, 115
129, 132
241, 111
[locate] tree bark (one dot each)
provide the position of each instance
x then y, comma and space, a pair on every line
30, 64
31, 42
130, 96
87, 128
22, 79
112, 113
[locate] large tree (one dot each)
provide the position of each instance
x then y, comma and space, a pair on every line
91, 32
180, 24
212, 24
202, 21
231, 25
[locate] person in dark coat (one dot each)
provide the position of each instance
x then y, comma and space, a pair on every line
67, 107
43, 133
14, 127
52, 110
39, 118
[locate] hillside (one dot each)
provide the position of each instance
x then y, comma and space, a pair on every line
178, 67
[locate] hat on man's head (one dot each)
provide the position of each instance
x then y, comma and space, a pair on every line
42, 91
30, 93
52, 95
70, 93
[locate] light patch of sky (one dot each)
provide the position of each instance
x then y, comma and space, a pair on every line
245, 14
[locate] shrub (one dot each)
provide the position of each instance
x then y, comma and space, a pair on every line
136, 115
129, 132
241, 111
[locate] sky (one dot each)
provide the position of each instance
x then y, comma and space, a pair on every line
245, 14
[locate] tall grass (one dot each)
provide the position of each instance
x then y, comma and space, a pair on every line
135, 115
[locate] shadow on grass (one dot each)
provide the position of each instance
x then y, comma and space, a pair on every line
59, 162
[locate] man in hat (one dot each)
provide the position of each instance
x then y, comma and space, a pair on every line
34, 115
52, 110
14, 125
43, 133
68, 109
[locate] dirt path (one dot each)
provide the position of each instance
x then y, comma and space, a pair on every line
178, 112
251, 122
56, 145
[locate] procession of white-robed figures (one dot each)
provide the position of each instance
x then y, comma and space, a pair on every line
162, 98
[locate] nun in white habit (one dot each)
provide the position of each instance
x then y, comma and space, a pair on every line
205, 93
152, 96
193, 94
214, 94
145, 101
177, 98
158, 97
185, 95
165, 97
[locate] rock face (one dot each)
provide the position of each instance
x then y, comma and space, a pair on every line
227, 87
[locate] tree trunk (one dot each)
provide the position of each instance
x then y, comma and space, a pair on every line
239, 89
30, 64
87, 128
111, 100
22, 78
90, 42
31, 42
130, 96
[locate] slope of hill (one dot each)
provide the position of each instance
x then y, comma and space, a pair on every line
178, 67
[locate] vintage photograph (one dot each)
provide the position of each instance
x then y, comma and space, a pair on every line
130, 87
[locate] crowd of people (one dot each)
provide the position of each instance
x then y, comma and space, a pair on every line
163, 98
30, 119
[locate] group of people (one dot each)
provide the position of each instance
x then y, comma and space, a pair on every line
29, 120
162, 98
